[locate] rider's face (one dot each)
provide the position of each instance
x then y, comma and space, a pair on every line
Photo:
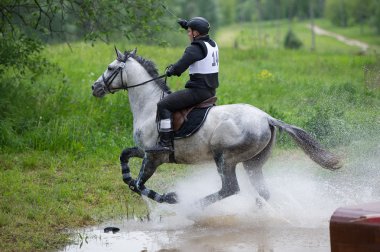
192, 34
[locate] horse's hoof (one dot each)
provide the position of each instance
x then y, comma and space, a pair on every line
260, 203
265, 194
132, 185
170, 198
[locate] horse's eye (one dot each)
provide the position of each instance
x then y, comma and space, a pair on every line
110, 68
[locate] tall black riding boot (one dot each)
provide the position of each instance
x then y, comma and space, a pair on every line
165, 144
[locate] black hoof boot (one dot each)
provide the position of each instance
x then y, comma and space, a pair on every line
170, 198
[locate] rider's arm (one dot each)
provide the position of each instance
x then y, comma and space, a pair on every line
193, 53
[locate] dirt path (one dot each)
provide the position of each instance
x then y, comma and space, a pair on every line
351, 42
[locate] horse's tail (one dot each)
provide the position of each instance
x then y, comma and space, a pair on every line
309, 145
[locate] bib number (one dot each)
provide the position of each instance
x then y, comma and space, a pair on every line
215, 58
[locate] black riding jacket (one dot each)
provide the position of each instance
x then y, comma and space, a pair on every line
196, 51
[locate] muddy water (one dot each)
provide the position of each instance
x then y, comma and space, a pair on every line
296, 218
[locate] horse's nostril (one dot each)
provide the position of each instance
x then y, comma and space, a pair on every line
92, 87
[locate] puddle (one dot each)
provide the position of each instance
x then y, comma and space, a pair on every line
144, 237
296, 218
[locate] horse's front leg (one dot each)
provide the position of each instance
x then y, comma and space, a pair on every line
126, 154
148, 167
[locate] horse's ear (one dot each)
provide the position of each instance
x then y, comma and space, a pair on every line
119, 55
134, 52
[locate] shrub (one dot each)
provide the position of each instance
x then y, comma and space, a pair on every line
292, 41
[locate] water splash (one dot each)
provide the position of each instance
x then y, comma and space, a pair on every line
303, 198
302, 194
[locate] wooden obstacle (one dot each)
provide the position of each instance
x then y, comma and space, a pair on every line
356, 228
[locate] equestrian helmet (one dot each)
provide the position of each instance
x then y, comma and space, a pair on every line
199, 24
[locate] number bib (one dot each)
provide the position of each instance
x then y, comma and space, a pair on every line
208, 65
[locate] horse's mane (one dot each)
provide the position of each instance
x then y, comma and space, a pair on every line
151, 68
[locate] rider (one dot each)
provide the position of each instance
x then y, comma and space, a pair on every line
201, 57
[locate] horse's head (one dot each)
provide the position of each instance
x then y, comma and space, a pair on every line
114, 78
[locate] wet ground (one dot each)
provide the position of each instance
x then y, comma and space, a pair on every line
296, 218
147, 237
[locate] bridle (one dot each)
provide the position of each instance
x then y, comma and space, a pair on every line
108, 81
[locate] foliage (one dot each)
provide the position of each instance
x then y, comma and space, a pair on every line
337, 12
244, 11
292, 41
227, 12
207, 9
24, 24
375, 18
90, 19
346, 13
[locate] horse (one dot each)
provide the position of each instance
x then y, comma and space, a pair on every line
231, 134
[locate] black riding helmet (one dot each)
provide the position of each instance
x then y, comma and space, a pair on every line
199, 24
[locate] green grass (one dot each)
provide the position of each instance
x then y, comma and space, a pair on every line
59, 146
45, 197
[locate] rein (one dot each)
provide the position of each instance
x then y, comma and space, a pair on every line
110, 79
145, 82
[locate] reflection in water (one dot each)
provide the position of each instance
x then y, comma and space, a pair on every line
201, 238
296, 218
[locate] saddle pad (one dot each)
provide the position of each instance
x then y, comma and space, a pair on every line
194, 122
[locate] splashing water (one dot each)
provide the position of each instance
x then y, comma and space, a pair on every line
296, 217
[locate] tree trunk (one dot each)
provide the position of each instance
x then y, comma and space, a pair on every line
311, 14
277, 20
258, 7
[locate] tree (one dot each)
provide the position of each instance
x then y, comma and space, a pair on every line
26, 24
375, 17
311, 15
228, 13
337, 12
360, 12
244, 10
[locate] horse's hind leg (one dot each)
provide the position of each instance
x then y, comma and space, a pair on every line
253, 167
230, 184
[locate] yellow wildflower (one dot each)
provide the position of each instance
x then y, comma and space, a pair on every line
264, 74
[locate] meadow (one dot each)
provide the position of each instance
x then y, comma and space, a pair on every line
59, 145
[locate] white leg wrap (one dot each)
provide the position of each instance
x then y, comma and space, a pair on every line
166, 125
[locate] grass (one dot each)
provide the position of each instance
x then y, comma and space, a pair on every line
59, 150
43, 197
271, 34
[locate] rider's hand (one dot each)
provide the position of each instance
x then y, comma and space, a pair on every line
169, 71
182, 23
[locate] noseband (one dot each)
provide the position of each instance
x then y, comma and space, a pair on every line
108, 81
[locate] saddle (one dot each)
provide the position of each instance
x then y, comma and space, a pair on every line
180, 117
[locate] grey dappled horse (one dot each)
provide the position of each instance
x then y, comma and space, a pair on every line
231, 134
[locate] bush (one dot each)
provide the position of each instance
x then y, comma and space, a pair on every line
292, 41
